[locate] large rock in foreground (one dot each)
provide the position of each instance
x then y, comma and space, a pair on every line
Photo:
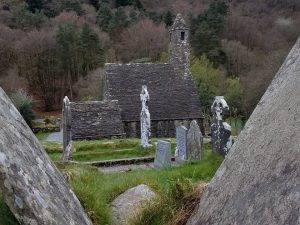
129, 204
32, 186
259, 180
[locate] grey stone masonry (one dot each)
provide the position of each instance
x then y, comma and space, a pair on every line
32, 187
220, 130
259, 180
163, 155
145, 119
181, 144
96, 120
180, 47
195, 142
66, 122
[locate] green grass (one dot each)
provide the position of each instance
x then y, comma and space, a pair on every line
103, 149
41, 136
96, 190
6, 217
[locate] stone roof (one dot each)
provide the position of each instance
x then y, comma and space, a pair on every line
95, 120
179, 23
171, 96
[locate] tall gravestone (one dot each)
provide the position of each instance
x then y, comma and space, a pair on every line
66, 122
163, 155
195, 142
220, 130
181, 144
145, 119
259, 180
32, 187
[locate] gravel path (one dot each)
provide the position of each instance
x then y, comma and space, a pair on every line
55, 137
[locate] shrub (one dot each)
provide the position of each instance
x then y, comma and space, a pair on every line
24, 103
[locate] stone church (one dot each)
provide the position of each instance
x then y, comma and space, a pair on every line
173, 97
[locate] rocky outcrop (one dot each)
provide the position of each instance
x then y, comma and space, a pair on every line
32, 186
259, 180
129, 204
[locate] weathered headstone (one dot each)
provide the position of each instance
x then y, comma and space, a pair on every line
195, 142
145, 119
181, 144
220, 130
163, 155
32, 186
67, 154
259, 180
66, 122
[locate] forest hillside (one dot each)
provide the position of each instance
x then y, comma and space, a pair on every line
52, 48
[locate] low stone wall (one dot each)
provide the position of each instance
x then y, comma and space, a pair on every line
159, 128
94, 120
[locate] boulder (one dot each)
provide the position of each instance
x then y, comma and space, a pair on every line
259, 180
129, 204
32, 186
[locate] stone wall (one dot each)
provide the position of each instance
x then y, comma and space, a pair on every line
95, 120
159, 128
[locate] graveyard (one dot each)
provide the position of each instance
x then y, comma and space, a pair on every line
152, 150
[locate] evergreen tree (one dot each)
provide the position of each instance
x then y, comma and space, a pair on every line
207, 30
105, 16
168, 19
92, 53
34, 5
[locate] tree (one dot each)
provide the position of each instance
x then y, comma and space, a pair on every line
234, 96
23, 18
206, 32
67, 37
168, 18
208, 81
143, 40
105, 16
92, 53
34, 5
38, 63
24, 103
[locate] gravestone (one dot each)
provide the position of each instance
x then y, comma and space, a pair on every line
32, 187
67, 154
181, 144
163, 155
195, 142
259, 180
66, 122
220, 130
145, 119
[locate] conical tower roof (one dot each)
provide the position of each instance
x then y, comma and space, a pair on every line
179, 23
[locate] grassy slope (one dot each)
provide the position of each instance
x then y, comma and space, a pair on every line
103, 149
96, 190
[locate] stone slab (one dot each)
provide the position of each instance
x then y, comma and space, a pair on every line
32, 187
259, 180
163, 155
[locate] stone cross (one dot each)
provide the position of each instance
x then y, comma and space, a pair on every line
181, 144
66, 122
195, 142
145, 119
220, 130
163, 155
